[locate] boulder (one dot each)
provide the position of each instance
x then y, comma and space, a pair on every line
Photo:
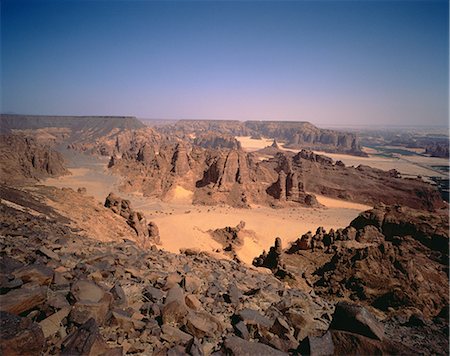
174, 310
318, 345
347, 343
174, 335
153, 233
51, 325
357, 319
236, 346
87, 291
86, 340
253, 317
202, 324
40, 274
26, 298
84, 310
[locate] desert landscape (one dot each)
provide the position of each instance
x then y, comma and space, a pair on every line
272, 215
224, 178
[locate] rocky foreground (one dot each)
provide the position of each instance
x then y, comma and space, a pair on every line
65, 293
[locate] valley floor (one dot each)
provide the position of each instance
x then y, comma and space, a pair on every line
183, 225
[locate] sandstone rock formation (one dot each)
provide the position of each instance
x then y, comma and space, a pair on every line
217, 141
230, 238
24, 159
147, 233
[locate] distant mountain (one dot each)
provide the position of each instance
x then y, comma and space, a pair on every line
101, 125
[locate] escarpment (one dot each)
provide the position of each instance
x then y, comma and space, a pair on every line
22, 158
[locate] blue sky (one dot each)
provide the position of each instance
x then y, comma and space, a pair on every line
328, 62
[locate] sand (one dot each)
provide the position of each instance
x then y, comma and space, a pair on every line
250, 145
337, 203
186, 226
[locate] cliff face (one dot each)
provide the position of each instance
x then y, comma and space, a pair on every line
294, 134
23, 158
305, 135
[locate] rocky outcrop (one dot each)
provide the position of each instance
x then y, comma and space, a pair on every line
24, 159
390, 258
217, 141
180, 160
296, 134
438, 150
363, 184
231, 238
147, 233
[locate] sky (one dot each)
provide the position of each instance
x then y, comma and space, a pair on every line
327, 62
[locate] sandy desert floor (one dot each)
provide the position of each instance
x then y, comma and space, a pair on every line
183, 225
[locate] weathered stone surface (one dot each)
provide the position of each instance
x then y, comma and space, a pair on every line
253, 317
35, 273
20, 300
237, 346
87, 291
51, 325
346, 343
154, 294
174, 309
202, 324
19, 336
49, 253
191, 283
126, 322
356, 319
192, 302
241, 330
318, 345
175, 335
120, 299
84, 310
86, 340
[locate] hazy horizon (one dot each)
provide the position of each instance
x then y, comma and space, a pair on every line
340, 63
